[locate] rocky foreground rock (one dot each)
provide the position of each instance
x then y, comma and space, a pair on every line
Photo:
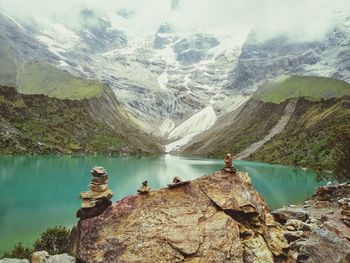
319, 229
42, 257
215, 218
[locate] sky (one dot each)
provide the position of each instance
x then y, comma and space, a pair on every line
301, 20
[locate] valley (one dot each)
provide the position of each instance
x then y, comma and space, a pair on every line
195, 94
174, 131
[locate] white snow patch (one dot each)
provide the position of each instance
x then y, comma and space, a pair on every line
167, 54
177, 144
63, 64
187, 80
167, 126
58, 38
196, 124
166, 35
13, 20
163, 80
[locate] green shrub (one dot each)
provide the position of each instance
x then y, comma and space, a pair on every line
341, 141
19, 251
54, 240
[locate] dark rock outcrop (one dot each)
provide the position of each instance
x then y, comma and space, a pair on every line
193, 49
215, 218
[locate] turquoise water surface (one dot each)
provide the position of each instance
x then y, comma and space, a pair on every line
37, 192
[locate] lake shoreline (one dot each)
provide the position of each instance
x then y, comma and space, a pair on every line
47, 186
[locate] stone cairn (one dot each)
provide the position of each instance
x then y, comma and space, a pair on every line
176, 180
98, 198
229, 167
144, 189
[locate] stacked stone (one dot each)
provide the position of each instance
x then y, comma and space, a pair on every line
98, 198
229, 167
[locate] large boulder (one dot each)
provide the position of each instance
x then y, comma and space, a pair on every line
326, 246
44, 257
216, 218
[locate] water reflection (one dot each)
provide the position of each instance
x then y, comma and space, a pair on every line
41, 191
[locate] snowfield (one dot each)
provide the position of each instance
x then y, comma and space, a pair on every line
196, 124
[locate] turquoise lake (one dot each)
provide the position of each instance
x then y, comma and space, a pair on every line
37, 192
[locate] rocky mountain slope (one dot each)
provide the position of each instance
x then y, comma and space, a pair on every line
177, 75
165, 79
40, 124
262, 60
215, 218
315, 117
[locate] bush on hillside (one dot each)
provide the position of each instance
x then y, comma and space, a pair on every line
19, 251
54, 240
342, 154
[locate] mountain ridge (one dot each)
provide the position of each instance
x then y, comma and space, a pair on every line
294, 86
40, 124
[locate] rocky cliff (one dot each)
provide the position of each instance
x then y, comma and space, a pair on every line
215, 218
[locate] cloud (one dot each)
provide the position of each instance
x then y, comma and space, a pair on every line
301, 20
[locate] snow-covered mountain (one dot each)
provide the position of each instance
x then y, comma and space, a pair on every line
260, 62
173, 84
162, 80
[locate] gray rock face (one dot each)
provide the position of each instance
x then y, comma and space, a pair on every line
14, 260
165, 35
22, 44
190, 56
193, 49
44, 257
260, 62
324, 245
99, 34
319, 233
